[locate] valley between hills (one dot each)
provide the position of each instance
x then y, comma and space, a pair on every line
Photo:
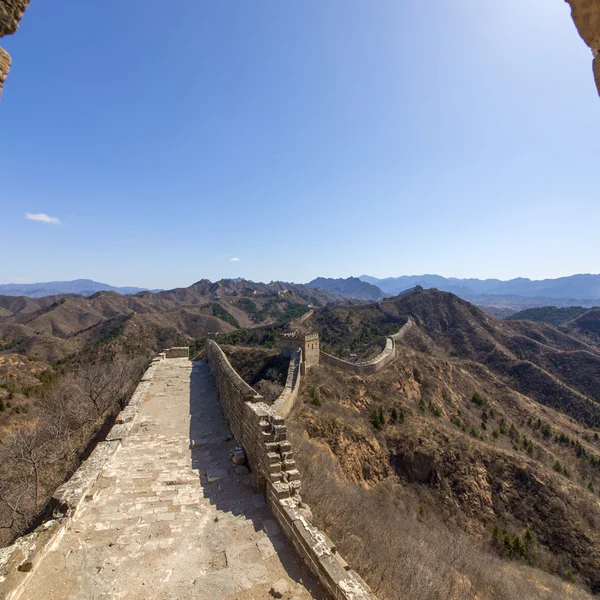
468, 467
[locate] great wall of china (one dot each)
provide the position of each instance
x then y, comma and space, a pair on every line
156, 503
92, 509
376, 364
261, 431
257, 427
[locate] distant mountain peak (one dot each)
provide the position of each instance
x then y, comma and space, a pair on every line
520, 292
351, 287
81, 287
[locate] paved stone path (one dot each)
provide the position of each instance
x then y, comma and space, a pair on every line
156, 527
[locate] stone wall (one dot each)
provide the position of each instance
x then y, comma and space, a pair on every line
370, 367
11, 12
311, 349
179, 352
20, 560
308, 344
263, 435
399, 335
284, 404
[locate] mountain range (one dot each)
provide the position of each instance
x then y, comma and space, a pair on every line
352, 287
581, 289
54, 327
482, 424
82, 287
502, 297
486, 424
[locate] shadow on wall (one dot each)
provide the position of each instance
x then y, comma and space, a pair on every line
234, 494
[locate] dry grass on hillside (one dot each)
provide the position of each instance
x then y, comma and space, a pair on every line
402, 549
465, 446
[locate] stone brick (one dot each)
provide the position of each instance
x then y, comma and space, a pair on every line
262, 432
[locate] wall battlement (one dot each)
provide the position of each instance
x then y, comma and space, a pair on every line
263, 434
19, 561
308, 344
284, 404
311, 353
178, 352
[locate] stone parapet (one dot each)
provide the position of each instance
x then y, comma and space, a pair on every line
399, 335
178, 352
263, 434
370, 367
20, 560
284, 404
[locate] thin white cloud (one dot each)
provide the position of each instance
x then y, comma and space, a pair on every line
234, 259
42, 218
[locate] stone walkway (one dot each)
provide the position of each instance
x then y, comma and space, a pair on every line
156, 527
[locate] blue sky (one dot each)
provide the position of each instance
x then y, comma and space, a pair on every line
304, 138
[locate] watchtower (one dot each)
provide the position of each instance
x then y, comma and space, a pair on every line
308, 344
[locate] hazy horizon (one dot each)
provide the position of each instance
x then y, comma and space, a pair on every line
183, 285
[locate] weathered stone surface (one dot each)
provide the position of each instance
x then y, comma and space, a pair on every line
19, 561
279, 588
586, 15
178, 352
151, 526
262, 432
213, 475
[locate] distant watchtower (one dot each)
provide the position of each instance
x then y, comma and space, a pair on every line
308, 343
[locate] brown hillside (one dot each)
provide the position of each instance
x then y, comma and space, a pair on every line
587, 325
54, 327
469, 431
536, 359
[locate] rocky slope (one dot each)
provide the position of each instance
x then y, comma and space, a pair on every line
549, 314
483, 423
